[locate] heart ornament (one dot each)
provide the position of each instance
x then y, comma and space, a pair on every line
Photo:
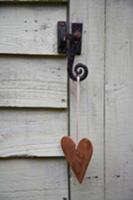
77, 157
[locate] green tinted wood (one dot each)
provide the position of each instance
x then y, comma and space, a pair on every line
91, 14
31, 132
30, 28
22, 179
46, 1
33, 82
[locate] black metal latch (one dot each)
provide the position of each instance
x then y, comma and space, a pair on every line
70, 44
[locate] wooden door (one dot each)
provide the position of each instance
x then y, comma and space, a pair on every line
37, 109
91, 14
106, 98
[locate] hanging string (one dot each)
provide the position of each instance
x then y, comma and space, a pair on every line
77, 108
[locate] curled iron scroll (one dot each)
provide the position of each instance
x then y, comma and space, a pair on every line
79, 69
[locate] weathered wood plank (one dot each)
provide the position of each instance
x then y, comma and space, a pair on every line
119, 100
33, 179
91, 13
30, 29
45, 1
33, 82
31, 132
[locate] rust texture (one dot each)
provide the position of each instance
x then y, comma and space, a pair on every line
77, 157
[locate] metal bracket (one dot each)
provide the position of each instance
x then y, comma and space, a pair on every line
62, 41
73, 41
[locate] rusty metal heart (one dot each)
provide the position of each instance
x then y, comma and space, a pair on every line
78, 158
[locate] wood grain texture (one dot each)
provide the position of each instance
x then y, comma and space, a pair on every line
119, 100
91, 13
30, 29
33, 179
32, 1
29, 132
33, 82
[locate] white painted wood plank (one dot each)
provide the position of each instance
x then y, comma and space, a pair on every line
46, 1
91, 13
33, 82
30, 29
119, 100
33, 179
31, 132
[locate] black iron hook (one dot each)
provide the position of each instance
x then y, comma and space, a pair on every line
71, 44
79, 69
